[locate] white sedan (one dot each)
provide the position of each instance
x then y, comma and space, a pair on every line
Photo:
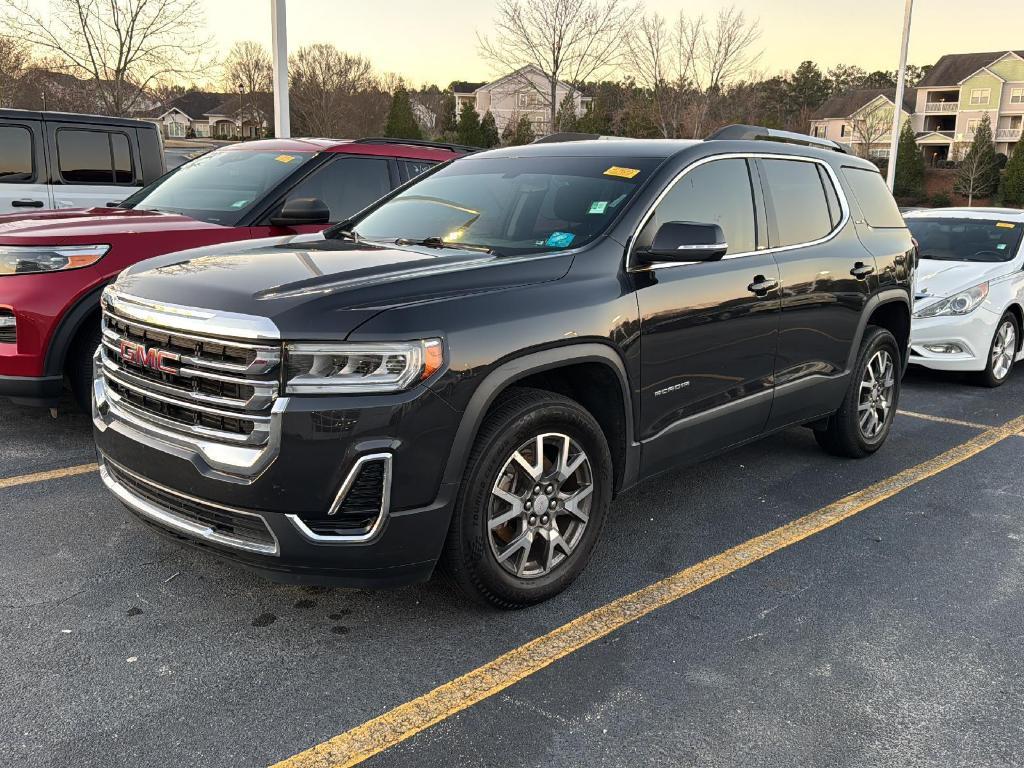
969, 291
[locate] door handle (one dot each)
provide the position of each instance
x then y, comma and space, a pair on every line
861, 270
762, 285
27, 203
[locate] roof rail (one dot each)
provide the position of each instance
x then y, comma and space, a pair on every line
555, 138
759, 133
417, 143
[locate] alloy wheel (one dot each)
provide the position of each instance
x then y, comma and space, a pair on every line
877, 390
1004, 350
540, 505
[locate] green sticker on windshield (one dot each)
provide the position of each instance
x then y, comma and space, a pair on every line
239, 203
598, 207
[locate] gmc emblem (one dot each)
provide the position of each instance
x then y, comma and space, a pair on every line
152, 358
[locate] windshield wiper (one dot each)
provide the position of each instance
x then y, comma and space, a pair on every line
437, 242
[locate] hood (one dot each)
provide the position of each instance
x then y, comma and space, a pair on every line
939, 279
326, 289
88, 224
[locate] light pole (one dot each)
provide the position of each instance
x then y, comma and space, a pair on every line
241, 117
897, 111
279, 33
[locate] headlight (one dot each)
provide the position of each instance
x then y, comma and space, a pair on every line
18, 259
962, 303
354, 368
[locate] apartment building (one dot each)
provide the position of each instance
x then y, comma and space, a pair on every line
862, 118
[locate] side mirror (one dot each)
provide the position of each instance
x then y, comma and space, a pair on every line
302, 210
686, 241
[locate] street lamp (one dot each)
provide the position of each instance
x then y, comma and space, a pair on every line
241, 117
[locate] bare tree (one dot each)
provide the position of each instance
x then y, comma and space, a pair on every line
334, 93
661, 60
123, 46
572, 41
871, 125
248, 72
13, 62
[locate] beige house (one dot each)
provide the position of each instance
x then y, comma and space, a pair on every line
862, 118
525, 92
206, 114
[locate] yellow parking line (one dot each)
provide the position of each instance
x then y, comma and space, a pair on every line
53, 474
406, 720
944, 420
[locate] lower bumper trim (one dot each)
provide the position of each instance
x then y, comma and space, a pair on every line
32, 390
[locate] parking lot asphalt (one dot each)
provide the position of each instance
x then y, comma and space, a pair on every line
891, 638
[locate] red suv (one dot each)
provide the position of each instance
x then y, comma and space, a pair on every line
54, 264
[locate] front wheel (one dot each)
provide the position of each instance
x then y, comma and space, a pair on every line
1002, 352
532, 503
79, 365
864, 420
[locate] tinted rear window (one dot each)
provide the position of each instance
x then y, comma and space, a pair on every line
801, 209
94, 157
873, 196
15, 154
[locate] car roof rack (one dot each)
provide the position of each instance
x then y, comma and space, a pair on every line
418, 143
556, 138
760, 133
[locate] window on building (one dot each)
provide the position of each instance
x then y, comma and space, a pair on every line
94, 157
202, 129
802, 212
1017, 96
176, 130
523, 100
980, 95
879, 153
15, 155
844, 130
972, 125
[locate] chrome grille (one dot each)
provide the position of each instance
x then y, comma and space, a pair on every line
220, 389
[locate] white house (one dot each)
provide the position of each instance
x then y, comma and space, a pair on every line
525, 92
205, 114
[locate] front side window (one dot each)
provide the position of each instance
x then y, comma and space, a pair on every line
719, 193
15, 155
801, 208
874, 198
94, 157
967, 239
221, 186
515, 206
346, 185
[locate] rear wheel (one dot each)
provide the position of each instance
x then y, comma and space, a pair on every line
862, 423
79, 364
533, 501
1002, 353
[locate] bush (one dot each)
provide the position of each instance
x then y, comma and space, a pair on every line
940, 200
1001, 160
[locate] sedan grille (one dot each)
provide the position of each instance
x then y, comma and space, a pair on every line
8, 327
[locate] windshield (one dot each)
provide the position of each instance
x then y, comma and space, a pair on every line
510, 205
219, 187
966, 239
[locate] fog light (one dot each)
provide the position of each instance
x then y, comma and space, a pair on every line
8, 327
944, 349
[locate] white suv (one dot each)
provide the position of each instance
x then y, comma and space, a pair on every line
970, 291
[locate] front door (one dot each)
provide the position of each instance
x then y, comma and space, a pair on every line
23, 187
709, 330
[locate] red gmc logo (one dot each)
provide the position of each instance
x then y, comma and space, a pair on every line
153, 358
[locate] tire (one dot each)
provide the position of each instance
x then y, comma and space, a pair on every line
519, 562
79, 364
844, 433
1000, 359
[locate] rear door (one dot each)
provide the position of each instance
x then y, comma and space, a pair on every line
91, 166
23, 187
709, 330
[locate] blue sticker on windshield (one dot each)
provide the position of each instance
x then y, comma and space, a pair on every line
560, 239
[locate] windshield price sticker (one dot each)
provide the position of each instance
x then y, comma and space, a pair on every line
622, 173
284, 158
1005, 225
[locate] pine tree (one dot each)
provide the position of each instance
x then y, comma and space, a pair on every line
1013, 180
401, 122
489, 131
909, 165
468, 130
449, 120
978, 172
566, 119
518, 132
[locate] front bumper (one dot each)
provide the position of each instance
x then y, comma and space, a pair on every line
973, 333
321, 442
32, 390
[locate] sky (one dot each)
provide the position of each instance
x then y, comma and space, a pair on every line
436, 41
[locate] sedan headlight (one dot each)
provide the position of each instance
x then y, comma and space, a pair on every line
962, 303
355, 368
19, 259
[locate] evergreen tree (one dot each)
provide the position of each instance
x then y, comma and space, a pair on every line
566, 119
489, 131
1013, 181
807, 89
401, 122
909, 165
468, 130
449, 120
518, 132
978, 172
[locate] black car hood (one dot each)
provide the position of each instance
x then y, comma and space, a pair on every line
326, 289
